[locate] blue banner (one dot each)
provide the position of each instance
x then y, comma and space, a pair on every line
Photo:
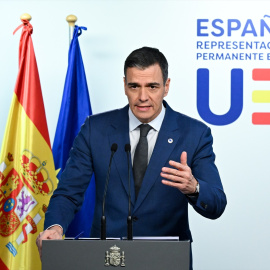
75, 108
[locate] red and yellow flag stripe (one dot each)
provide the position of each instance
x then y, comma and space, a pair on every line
27, 172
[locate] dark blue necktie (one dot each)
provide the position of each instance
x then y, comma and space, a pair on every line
140, 161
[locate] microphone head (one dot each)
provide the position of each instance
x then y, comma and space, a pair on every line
127, 147
114, 147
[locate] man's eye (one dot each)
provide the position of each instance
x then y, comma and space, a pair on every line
152, 86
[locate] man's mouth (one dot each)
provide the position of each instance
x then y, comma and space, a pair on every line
143, 108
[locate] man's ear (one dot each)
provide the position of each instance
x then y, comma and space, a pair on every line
124, 80
167, 87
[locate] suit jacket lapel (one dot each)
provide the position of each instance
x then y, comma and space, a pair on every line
167, 140
119, 134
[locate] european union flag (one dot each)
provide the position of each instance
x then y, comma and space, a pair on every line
75, 108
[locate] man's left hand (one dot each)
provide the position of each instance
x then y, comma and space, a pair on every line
180, 176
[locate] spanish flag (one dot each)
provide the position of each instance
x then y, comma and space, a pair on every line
27, 172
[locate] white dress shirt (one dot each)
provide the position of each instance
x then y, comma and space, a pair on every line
134, 132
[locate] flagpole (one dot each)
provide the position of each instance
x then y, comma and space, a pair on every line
71, 19
26, 16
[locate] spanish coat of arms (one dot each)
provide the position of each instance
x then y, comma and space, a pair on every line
115, 257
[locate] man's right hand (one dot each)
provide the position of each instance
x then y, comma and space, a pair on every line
53, 233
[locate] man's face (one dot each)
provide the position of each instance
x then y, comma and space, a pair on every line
145, 91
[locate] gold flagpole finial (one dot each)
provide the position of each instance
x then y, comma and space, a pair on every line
26, 16
71, 19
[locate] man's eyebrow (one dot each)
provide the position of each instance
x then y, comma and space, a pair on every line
153, 84
133, 84
149, 84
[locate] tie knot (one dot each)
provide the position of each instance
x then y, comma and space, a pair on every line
144, 129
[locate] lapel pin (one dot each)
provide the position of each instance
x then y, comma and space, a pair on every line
170, 140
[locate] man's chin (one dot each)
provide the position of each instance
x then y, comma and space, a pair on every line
143, 117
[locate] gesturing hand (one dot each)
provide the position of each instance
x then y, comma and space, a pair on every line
180, 176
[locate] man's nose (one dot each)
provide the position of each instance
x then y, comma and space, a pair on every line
143, 95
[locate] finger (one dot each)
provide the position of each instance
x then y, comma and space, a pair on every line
179, 186
175, 172
55, 235
184, 188
39, 244
177, 165
183, 158
173, 178
170, 183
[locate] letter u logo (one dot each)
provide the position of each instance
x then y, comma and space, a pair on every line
203, 98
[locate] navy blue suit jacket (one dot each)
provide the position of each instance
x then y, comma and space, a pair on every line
159, 210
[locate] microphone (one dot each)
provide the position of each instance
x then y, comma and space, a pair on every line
103, 218
129, 218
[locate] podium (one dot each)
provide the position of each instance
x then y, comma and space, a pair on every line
113, 254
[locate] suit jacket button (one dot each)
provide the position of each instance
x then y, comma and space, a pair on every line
134, 219
204, 205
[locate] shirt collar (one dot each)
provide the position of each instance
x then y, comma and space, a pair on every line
134, 122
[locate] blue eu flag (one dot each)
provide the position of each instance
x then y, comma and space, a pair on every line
75, 108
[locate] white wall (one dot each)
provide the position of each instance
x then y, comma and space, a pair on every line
240, 238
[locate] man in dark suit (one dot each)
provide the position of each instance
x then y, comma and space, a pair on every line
173, 162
